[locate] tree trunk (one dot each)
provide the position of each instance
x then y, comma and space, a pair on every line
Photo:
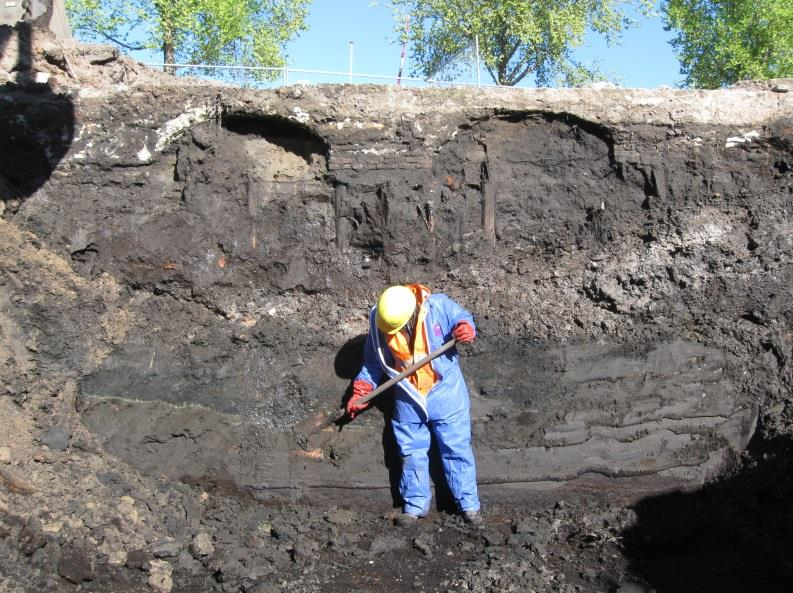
502, 72
168, 55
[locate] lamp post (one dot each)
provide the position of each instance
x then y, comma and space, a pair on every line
352, 45
404, 49
478, 76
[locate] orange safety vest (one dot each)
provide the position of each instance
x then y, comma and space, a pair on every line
424, 378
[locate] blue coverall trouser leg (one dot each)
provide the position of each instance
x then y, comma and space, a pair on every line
454, 442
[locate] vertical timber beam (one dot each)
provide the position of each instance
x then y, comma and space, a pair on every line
488, 205
339, 197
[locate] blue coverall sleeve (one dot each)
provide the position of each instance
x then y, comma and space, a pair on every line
454, 314
371, 371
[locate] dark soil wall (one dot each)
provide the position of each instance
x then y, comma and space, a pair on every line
609, 267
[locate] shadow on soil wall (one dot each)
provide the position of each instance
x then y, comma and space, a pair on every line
732, 536
36, 124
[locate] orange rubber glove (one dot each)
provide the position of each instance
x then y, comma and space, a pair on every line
360, 389
464, 332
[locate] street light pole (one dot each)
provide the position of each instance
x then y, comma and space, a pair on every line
352, 45
404, 49
478, 76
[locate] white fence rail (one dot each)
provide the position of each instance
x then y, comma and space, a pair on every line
260, 77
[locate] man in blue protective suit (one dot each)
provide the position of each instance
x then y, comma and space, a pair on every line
408, 323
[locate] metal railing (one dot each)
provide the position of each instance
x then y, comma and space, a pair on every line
262, 77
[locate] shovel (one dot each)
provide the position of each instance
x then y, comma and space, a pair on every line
321, 419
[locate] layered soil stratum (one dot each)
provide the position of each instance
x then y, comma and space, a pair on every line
186, 273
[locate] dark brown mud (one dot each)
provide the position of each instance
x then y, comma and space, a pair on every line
187, 272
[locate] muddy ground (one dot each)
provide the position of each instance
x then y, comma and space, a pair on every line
186, 274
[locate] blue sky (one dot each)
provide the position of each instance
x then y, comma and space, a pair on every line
644, 59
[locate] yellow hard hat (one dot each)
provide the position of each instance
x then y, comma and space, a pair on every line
395, 307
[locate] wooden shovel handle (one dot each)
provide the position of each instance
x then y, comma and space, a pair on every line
408, 371
394, 380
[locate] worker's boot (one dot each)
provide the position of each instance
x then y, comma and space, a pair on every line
472, 517
407, 519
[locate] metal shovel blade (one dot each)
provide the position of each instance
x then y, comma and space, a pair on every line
319, 420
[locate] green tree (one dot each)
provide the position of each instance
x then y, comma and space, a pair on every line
721, 42
243, 32
516, 37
